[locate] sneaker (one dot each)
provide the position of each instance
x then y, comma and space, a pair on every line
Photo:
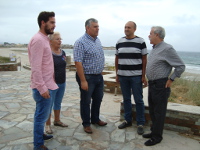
140, 130
47, 137
124, 125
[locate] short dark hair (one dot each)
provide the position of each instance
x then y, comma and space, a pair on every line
44, 16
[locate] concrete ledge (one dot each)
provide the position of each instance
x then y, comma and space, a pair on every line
8, 66
110, 84
27, 67
71, 67
179, 117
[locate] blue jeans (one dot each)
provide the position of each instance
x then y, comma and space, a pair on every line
129, 85
58, 96
43, 108
95, 92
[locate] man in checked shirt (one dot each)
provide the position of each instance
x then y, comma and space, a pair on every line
160, 62
89, 60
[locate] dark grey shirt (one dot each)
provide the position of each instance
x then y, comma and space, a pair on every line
161, 60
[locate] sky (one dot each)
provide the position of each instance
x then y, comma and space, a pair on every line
180, 18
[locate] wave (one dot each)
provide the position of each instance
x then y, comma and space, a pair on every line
193, 63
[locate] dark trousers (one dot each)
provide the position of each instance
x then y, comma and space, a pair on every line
157, 98
95, 92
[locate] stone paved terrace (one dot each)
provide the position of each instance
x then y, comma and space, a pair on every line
16, 121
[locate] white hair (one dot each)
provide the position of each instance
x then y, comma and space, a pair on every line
51, 36
159, 30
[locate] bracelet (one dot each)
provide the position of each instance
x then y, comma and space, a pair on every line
171, 79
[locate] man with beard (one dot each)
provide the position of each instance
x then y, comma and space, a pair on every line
42, 76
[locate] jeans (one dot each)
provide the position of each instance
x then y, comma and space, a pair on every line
43, 108
58, 96
157, 98
132, 84
95, 92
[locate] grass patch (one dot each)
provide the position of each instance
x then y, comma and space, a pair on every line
4, 59
185, 91
109, 68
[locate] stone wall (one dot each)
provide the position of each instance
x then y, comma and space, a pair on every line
112, 87
8, 66
176, 120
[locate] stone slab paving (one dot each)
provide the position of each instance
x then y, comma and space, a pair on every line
16, 121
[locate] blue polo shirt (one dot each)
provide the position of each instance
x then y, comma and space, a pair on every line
89, 52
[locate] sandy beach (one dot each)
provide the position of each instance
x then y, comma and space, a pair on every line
21, 54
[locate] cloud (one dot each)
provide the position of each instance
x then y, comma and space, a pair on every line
185, 19
180, 18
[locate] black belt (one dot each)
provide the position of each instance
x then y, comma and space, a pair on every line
93, 74
157, 80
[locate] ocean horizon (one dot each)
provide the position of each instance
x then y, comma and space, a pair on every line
191, 59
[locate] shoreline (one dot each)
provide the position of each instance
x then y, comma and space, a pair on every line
5, 52
22, 53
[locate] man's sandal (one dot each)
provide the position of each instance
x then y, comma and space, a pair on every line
59, 123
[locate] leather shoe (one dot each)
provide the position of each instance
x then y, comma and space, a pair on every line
88, 129
148, 135
151, 142
47, 137
100, 123
43, 148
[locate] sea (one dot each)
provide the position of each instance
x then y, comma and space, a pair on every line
191, 59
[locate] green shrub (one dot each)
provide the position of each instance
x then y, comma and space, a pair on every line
4, 59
